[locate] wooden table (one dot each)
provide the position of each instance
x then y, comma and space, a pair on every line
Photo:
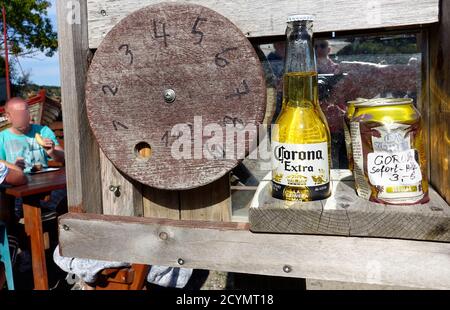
38, 185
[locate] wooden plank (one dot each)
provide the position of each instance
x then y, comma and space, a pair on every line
33, 228
121, 196
439, 119
231, 247
346, 214
160, 203
82, 155
314, 285
423, 102
268, 17
211, 202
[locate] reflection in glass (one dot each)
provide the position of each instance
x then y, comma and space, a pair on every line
359, 66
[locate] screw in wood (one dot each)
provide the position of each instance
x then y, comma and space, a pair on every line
103, 12
163, 235
66, 227
115, 190
180, 261
169, 95
287, 268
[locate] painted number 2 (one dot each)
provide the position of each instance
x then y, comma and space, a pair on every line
112, 90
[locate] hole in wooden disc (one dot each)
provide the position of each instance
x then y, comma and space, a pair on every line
143, 150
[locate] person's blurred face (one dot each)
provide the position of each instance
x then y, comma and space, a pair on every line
18, 114
280, 48
322, 49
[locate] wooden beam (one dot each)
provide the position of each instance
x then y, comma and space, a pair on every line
346, 214
314, 285
211, 202
268, 17
423, 102
439, 110
82, 154
231, 247
121, 195
161, 203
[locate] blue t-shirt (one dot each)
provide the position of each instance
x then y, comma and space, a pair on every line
13, 146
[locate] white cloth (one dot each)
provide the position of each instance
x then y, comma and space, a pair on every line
87, 270
3, 172
169, 276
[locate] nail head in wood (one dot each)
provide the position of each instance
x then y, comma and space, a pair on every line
163, 235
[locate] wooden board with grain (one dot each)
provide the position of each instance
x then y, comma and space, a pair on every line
215, 74
346, 214
121, 196
439, 109
211, 202
159, 203
81, 150
268, 17
231, 247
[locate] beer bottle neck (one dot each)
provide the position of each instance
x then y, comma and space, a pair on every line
300, 90
300, 55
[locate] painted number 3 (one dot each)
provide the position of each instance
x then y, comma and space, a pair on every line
128, 52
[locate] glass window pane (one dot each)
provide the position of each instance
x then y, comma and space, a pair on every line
349, 67
359, 66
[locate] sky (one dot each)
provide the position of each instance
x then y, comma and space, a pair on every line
44, 70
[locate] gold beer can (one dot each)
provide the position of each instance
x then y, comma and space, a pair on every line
348, 140
388, 152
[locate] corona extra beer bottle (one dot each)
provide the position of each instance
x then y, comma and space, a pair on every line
300, 135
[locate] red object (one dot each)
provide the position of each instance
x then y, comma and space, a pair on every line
5, 40
39, 98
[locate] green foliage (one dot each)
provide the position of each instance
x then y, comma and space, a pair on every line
28, 90
381, 45
29, 28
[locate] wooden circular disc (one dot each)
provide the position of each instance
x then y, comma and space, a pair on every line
211, 68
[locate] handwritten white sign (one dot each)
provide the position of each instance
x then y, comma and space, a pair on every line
396, 168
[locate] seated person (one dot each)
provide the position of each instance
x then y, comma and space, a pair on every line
11, 174
18, 144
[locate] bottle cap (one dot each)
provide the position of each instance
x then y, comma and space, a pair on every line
298, 17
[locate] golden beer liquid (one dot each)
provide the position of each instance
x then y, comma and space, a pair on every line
301, 121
